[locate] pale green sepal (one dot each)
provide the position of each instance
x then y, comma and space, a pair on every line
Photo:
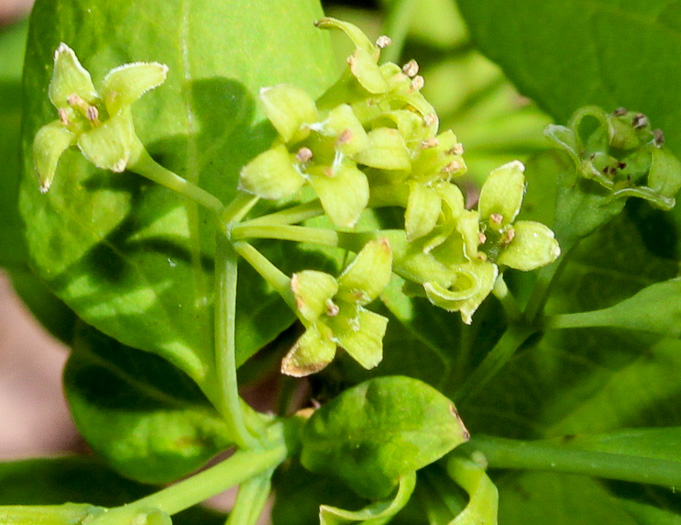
123, 85
423, 210
353, 32
49, 144
376, 513
271, 175
502, 194
664, 176
474, 283
532, 247
313, 290
343, 195
69, 78
386, 150
313, 351
483, 501
288, 107
366, 71
109, 145
151, 517
362, 336
368, 274
343, 124
468, 225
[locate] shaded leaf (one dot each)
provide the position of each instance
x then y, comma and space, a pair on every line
144, 416
377, 432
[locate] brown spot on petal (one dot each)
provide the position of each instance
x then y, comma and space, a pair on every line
464, 431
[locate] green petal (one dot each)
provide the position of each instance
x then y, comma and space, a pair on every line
474, 283
533, 246
366, 276
366, 71
502, 194
288, 107
344, 195
362, 337
468, 225
271, 175
49, 144
355, 34
311, 353
665, 172
423, 210
313, 290
69, 78
125, 84
109, 146
343, 124
386, 150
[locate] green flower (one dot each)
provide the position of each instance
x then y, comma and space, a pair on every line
312, 150
100, 122
333, 312
458, 262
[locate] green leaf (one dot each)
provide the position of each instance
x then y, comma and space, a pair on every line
131, 258
12, 245
144, 416
606, 53
375, 514
642, 311
379, 431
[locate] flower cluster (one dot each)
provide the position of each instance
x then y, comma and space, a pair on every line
621, 153
99, 123
372, 140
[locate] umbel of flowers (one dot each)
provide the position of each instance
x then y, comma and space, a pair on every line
372, 140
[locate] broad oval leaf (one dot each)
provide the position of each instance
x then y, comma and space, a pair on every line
131, 258
379, 431
603, 52
145, 417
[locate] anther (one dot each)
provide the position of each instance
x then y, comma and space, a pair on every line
620, 112
658, 139
639, 121
429, 143
411, 68
332, 308
453, 166
481, 238
383, 41
92, 114
496, 218
457, 149
507, 237
304, 154
417, 83
345, 137
63, 117
430, 119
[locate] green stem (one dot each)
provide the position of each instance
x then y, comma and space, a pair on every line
552, 457
293, 215
238, 208
396, 27
242, 466
152, 170
225, 345
268, 271
508, 302
545, 280
578, 320
285, 232
251, 500
513, 338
